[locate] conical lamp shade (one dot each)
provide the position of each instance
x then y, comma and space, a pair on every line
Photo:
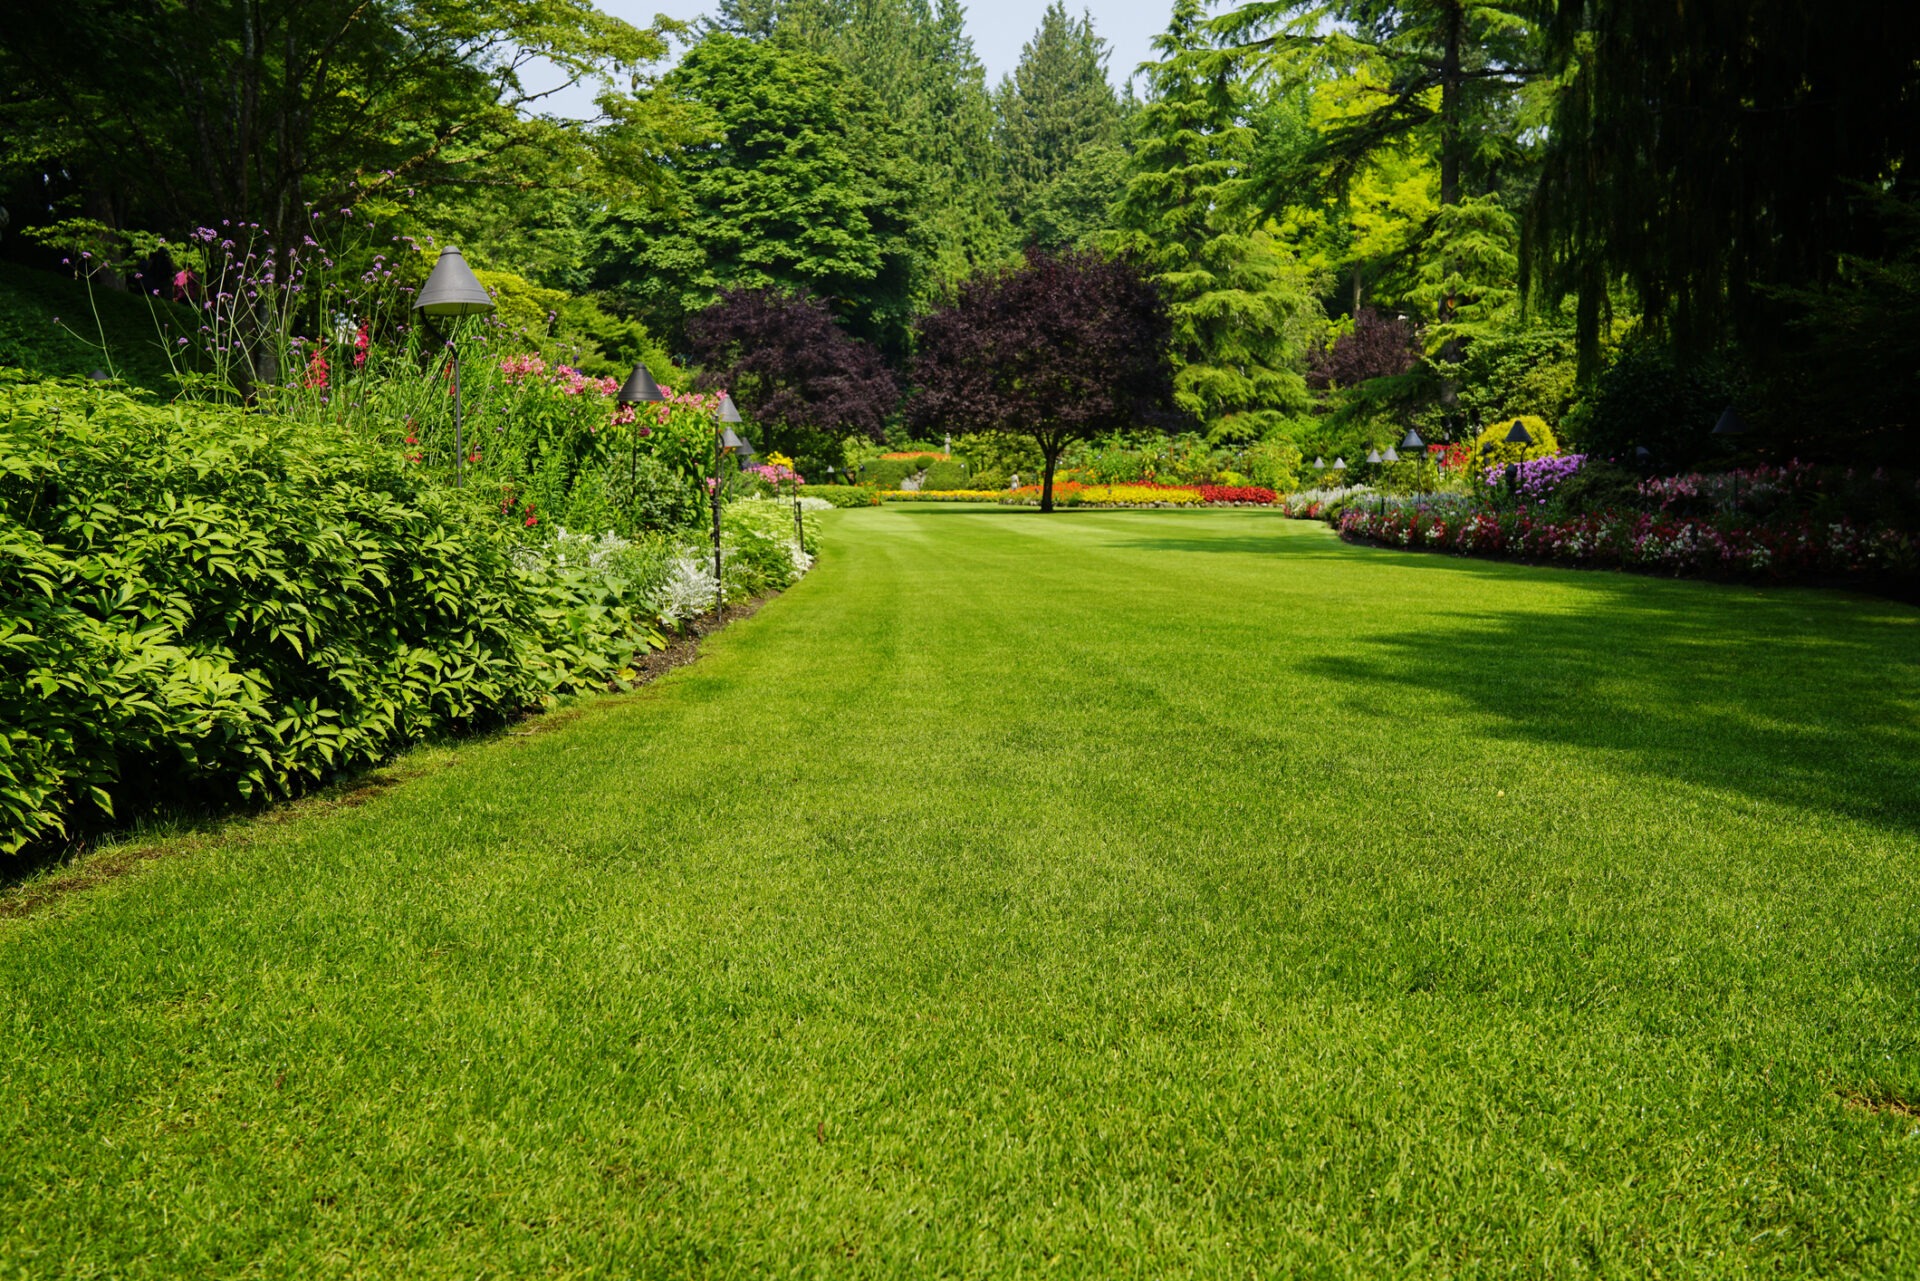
1519, 435
1412, 440
1730, 424
1373, 455
728, 414
1390, 455
1339, 464
640, 388
452, 290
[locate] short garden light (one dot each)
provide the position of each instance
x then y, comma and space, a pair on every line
725, 441
451, 292
1732, 424
1339, 464
639, 389
1412, 443
1391, 455
1373, 455
1519, 435
1319, 464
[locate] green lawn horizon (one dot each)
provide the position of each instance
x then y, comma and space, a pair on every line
1153, 893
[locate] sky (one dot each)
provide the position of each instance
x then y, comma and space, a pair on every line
999, 28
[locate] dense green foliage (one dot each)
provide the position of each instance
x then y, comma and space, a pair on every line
1305, 910
201, 605
1241, 305
1055, 107
799, 182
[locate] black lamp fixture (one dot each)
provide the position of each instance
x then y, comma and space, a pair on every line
451, 293
1412, 440
1519, 435
1731, 424
639, 389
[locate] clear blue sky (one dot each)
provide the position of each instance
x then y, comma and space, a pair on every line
998, 27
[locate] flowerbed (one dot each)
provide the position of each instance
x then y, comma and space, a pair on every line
1657, 542
1073, 493
941, 495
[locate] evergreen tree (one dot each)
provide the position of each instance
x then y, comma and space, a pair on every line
1056, 102
799, 182
1243, 308
917, 60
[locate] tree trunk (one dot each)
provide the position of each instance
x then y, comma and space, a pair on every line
1450, 91
1052, 455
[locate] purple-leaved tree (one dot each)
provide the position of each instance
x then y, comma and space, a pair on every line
1066, 346
797, 374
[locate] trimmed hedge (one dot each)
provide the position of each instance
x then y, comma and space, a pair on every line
842, 495
200, 604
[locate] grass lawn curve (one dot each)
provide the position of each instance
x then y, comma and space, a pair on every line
1156, 894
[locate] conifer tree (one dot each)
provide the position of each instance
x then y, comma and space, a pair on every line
1243, 308
1056, 103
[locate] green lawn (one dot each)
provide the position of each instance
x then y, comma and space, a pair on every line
1139, 893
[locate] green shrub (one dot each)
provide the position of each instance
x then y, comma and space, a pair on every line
947, 475
756, 537
887, 473
199, 604
842, 495
1490, 447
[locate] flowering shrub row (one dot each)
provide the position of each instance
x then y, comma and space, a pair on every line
1647, 541
940, 495
1073, 493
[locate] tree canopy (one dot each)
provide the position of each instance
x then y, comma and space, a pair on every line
1064, 347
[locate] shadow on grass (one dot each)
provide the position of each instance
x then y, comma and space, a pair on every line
1807, 699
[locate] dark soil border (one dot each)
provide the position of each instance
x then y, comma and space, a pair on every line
77, 866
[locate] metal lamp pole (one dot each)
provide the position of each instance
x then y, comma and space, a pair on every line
1731, 424
451, 292
639, 389
725, 441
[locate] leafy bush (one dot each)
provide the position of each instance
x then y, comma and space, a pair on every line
948, 475
201, 604
842, 495
887, 473
1646, 399
1490, 447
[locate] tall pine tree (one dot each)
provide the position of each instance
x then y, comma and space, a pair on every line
1056, 103
1243, 308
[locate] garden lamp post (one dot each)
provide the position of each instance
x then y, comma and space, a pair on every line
639, 389
725, 441
1319, 463
1732, 424
1412, 443
1339, 464
1517, 435
451, 292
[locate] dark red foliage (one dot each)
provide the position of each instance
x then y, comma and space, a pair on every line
1066, 346
789, 366
1376, 347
